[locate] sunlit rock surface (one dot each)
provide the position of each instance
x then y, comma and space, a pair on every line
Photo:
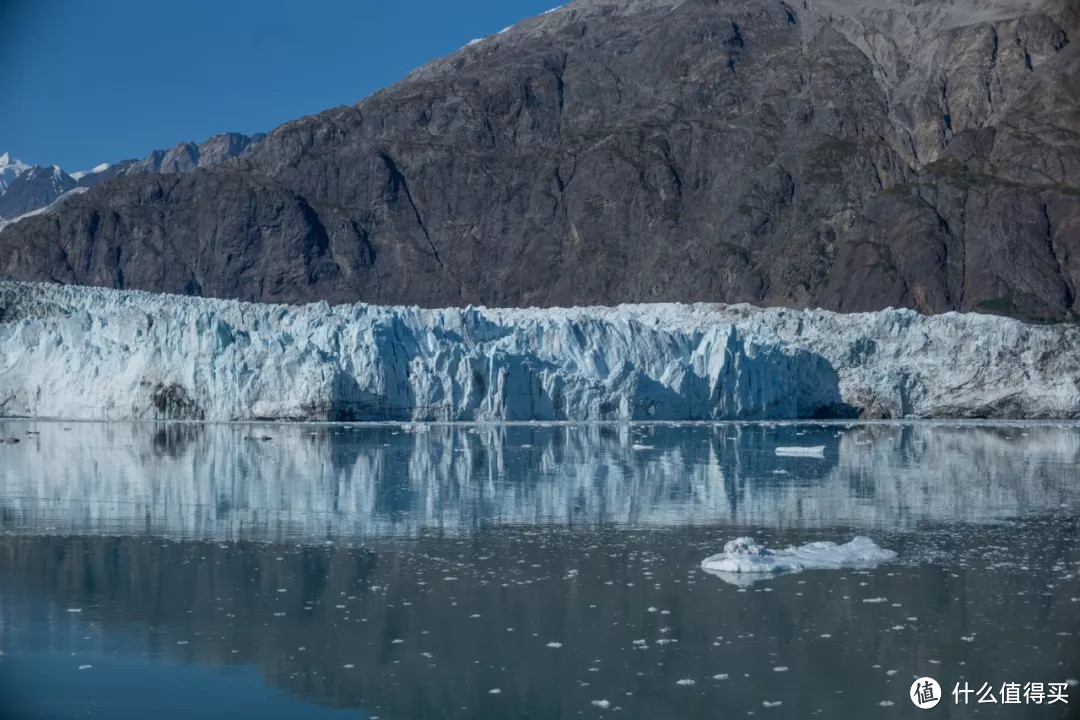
83, 353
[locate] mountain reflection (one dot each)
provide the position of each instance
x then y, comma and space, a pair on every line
316, 482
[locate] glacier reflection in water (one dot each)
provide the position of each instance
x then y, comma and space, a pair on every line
309, 482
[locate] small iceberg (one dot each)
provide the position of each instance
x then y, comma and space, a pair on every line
814, 451
744, 561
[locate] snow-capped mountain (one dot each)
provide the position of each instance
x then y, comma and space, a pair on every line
97, 169
10, 168
33, 189
26, 188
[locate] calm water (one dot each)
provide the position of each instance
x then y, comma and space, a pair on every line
527, 571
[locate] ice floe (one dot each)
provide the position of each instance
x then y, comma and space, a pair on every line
744, 561
814, 451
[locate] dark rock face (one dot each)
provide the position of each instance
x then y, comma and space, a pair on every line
852, 155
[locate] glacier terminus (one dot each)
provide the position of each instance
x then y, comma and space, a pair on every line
85, 353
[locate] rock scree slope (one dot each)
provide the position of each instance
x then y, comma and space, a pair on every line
846, 154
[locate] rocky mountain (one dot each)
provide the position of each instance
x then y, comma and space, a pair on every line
10, 168
25, 188
848, 154
33, 189
185, 157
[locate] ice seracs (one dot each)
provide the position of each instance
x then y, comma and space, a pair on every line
88, 353
97, 354
744, 560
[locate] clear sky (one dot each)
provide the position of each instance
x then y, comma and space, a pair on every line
90, 81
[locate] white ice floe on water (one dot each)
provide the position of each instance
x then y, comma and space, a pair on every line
744, 561
814, 451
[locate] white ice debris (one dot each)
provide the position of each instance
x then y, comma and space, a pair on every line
85, 353
814, 451
744, 560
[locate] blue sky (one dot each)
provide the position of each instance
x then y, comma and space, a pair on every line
90, 81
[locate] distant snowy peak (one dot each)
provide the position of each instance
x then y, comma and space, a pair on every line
10, 168
33, 189
96, 169
40, 191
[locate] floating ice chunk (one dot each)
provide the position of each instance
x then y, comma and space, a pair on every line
555, 645
814, 451
744, 555
602, 704
744, 561
685, 681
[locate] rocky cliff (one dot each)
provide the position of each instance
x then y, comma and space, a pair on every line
842, 154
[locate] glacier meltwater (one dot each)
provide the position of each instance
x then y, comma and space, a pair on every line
86, 353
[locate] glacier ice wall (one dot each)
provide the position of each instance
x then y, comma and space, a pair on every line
87, 353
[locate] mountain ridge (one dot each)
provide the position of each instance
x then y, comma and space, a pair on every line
836, 154
25, 188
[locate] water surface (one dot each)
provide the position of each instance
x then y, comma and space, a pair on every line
530, 571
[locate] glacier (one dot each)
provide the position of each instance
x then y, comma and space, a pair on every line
90, 353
